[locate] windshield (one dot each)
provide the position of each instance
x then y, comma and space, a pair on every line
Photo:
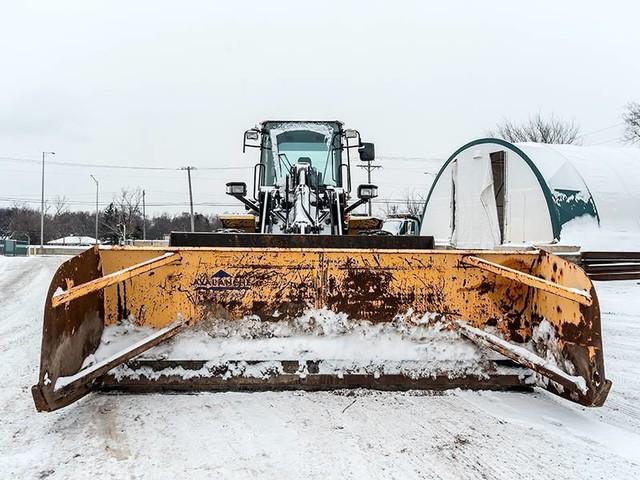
392, 226
316, 144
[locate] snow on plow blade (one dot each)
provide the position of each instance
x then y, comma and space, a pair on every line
145, 319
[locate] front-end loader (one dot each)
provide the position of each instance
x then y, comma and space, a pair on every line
287, 297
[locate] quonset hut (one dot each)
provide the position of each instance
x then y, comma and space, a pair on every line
493, 193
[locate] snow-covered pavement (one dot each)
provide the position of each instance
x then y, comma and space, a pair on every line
359, 434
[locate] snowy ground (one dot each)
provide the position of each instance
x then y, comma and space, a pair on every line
313, 435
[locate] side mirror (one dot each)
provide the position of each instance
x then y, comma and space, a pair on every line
367, 152
367, 191
237, 189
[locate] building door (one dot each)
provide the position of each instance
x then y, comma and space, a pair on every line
499, 176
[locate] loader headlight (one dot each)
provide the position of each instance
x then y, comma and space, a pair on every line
348, 133
251, 135
237, 189
367, 192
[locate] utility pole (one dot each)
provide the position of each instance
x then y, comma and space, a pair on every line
188, 169
94, 179
144, 217
369, 168
42, 206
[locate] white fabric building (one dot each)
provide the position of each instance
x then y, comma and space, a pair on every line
491, 192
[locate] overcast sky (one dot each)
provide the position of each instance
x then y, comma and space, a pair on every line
168, 84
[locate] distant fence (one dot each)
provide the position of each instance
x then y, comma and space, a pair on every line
611, 265
13, 248
57, 249
150, 243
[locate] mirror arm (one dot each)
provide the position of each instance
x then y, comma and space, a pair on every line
355, 205
253, 206
246, 145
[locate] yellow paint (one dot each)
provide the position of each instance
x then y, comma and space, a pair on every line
372, 285
376, 285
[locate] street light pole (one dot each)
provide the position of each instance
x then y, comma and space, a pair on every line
94, 179
42, 205
144, 217
188, 169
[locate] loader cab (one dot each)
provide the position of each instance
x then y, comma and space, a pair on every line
302, 183
316, 144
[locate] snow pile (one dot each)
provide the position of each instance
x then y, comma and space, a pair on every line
317, 334
546, 344
586, 232
415, 347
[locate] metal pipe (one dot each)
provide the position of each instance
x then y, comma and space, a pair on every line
144, 217
188, 169
42, 205
97, 211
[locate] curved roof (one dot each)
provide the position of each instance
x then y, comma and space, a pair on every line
610, 175
579, 182
553, 214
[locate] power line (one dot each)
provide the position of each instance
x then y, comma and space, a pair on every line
121, 167
619, 124
5, 158
88, 203
617, 139
409, 159
164, 204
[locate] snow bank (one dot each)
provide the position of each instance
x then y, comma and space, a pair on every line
586, 232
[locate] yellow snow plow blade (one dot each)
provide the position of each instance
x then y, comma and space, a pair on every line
536, 313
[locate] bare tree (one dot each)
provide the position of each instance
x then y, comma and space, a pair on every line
631, 119
122, 219
60, 205
538, 129
412, 204
390, 208
23, 222
129, 202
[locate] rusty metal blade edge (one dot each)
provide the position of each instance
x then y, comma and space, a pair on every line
91, 373
523, 357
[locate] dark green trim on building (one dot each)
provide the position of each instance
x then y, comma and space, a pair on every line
570, 205
548, 196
